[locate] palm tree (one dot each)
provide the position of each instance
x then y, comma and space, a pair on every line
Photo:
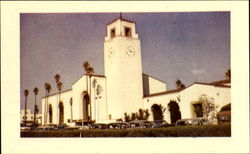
35, 90
26, 93
89, 71
86, 67
59, 87
36, 110
47, 87
71, 103
179, 84
228, 74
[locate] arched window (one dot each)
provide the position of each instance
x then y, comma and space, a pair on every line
158, 111
61, 113
85, 104
174, 110
50, 113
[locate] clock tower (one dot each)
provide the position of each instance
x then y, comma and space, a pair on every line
123, 70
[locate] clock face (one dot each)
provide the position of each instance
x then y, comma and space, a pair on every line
111, 52
130, 51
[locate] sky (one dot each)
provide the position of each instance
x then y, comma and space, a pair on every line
190, 46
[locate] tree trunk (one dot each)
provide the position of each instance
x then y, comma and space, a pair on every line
25, 114
90, 98
87, 89
71, 113
46, 95
59, 107
47, 108
35, 112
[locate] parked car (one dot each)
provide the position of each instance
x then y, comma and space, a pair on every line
224, 116
25, 128
47, 127
160, 124
98, 126
61, 126
72, 128
117, 125
140, 124
189, 121
85, 127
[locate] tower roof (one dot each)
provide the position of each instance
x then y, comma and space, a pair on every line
122, 19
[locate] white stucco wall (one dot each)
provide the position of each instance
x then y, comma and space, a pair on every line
123, 73
193, 93
156, 86
221, 95
160, 99
54, 100
119, 28
77, 93
99, 102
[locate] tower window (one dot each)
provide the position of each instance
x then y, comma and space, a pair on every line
127, 31
110, 117
112, 32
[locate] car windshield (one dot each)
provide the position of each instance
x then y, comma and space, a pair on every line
181, 123
164, 122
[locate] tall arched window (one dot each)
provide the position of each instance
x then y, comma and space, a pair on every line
174, 110
50, 114
61, 113
85, 106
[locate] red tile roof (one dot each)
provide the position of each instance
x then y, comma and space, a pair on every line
216, 84
163, 93
58, 93
121, 19
220, 82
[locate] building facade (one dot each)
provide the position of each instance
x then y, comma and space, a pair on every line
30, 118
124, 87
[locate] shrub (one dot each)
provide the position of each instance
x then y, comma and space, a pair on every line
141, 115
181, 131
208, 107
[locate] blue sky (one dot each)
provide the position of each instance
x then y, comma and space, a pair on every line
192, 47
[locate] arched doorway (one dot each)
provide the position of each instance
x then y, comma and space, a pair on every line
174, 110
157, 111
50, 113
61, 113
85, 104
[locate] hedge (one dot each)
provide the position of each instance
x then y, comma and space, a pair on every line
181, 131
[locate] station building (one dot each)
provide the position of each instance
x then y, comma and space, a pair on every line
124, 87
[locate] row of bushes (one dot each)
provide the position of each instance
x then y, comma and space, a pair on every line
182, 131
